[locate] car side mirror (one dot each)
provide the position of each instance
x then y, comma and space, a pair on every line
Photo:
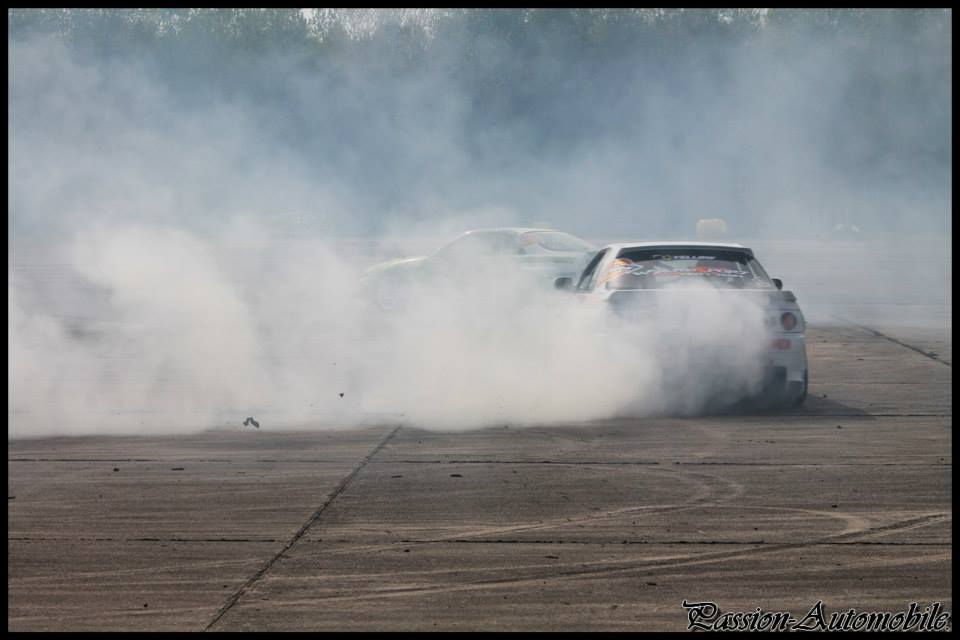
564, 283
778, 282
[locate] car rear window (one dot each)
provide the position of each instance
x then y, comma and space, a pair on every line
657, 268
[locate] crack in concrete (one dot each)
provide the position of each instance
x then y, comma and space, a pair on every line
925, 354
233, 599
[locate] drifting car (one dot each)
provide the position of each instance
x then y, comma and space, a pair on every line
547, 252
630, 280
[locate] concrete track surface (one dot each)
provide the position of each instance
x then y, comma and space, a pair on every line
601, 526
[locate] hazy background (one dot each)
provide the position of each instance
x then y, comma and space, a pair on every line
600, 122
193, 192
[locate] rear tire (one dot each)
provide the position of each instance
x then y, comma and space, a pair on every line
782, 396
798, 402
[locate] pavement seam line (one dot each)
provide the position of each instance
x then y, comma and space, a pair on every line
341, 486
521, 541
925, 354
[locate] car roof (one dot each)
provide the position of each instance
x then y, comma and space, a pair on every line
517, 230
729, 246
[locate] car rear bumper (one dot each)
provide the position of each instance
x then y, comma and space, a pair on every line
788, 353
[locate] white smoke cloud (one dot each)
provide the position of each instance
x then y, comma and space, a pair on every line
183, 257
193, 334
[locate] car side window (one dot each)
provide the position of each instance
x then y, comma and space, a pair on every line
475, 244
459, 246
586, 280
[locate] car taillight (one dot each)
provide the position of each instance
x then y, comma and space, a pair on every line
788, 321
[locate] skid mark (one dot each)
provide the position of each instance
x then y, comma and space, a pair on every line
607, 568
533, 581
711, 490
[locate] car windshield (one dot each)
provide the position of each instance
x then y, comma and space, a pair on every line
658, 268
478, 244
542, 242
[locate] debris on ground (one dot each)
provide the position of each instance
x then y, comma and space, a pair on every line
176, 468
455, 475
341, 394
251, 422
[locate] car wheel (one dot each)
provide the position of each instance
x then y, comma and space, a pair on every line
803, 394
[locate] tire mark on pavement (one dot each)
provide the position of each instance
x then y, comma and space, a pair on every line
605, 568
303, 529
711, 490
